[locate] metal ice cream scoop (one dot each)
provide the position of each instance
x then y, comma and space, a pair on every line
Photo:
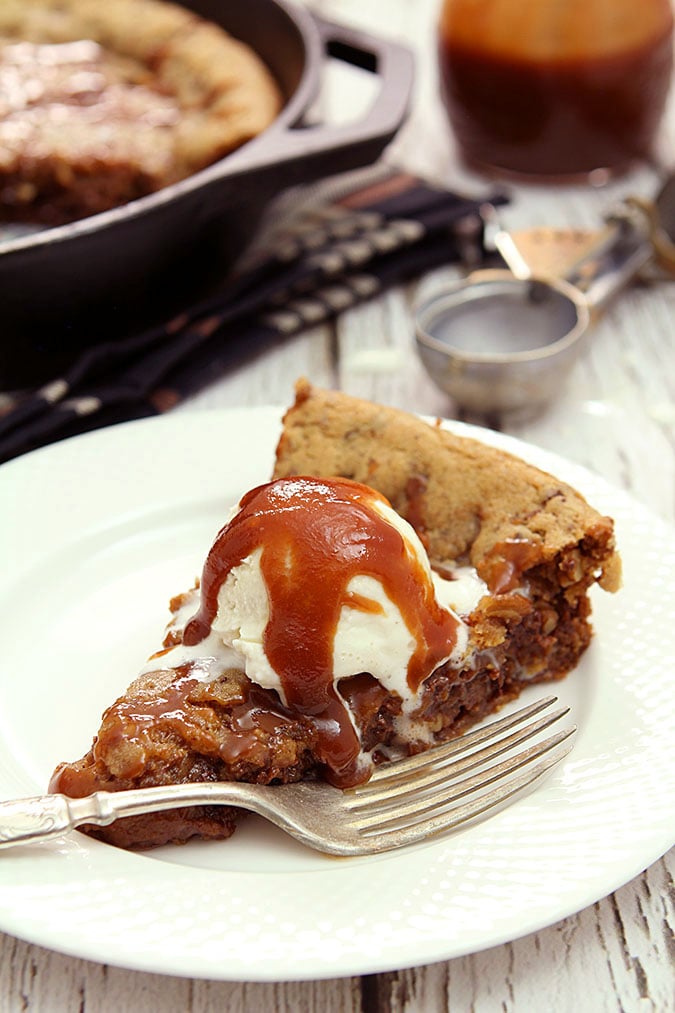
504, 340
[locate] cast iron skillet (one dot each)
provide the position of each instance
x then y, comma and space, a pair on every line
108, 275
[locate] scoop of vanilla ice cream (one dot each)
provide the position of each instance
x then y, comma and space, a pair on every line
377, 641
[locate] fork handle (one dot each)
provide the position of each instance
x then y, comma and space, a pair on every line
31, 820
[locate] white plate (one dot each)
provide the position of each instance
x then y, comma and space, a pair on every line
98, 532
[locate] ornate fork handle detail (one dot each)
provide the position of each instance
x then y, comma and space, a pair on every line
31, 820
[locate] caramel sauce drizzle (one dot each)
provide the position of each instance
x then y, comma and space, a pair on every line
316, 535
128, 720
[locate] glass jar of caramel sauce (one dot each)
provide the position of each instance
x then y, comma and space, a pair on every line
555, 89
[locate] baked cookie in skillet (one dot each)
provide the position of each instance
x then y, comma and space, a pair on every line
101, 103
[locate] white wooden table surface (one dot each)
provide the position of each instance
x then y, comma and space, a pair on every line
615, 416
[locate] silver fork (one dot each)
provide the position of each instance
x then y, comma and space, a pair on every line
404, 802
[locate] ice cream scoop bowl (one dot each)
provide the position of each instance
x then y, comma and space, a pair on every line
505, 340
495, 342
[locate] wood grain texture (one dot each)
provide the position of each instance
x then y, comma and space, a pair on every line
616, 415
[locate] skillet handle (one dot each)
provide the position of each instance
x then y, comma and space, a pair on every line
331, 149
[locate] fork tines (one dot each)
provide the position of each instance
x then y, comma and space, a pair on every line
455, 782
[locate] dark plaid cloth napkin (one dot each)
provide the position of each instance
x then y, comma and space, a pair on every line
344, 243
